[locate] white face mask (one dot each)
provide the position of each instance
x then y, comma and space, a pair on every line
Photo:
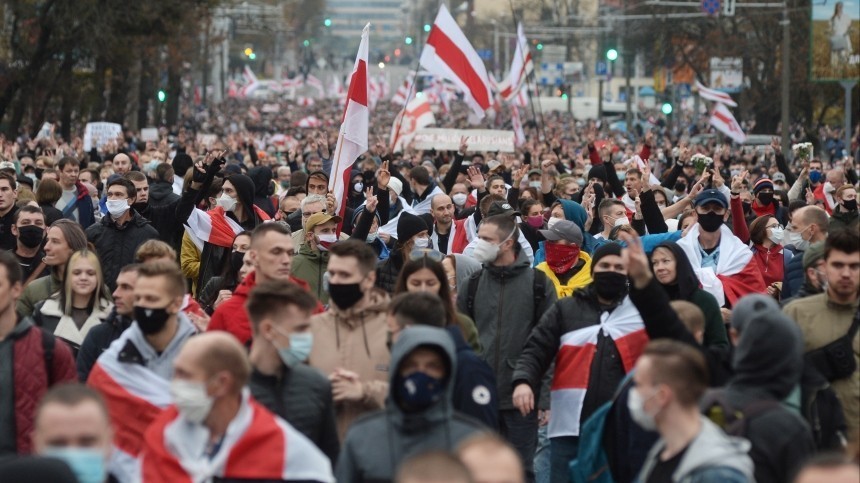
621, 221
486, 252
116, 208
795, 238
551, 222
776, 235
636, 405
191, 399
535, 184
227, 202
459, 199
371, 237
422, 243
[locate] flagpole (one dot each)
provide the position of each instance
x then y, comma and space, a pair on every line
406, 103
528, 85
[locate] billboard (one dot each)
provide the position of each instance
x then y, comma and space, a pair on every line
727, 74
835, 39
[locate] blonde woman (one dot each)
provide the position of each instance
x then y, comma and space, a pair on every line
81, 303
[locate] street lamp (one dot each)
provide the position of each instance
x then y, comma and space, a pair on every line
611, 55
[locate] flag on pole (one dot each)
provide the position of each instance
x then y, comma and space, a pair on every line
521, 66
401, 95
724, 121
352, 140
417, 114
715, 95
449, 55
517, 124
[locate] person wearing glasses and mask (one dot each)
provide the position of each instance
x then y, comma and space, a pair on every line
412, 232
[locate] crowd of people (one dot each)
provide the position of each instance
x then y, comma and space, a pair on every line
595, 306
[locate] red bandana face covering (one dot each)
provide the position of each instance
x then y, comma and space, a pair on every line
561, 258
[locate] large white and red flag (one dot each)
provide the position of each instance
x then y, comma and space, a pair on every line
521, 66
401, 95
724, 121
715, 95
352, 140
312, 81
418, 114
517, 125
449, 55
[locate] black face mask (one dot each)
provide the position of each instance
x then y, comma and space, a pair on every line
849, 205
681, 187
765, 198
151, 321
345, 295
710, 222
31, 236
236, 261
140, 207
610, 285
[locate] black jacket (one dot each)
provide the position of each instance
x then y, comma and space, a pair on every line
794, 276
768, 364
7, 239
388, 270
97, 340
161, 212
475, 392
302, 396
115, 245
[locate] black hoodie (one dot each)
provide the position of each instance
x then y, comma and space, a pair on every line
261, 176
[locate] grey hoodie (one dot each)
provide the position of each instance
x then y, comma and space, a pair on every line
711, 453
376, 444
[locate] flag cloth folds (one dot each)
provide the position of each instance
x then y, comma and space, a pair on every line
724, 121
417, 114
352, 140
449, 55
521, 66
715, 95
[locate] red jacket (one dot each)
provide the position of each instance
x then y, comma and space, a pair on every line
231, 315
770, 262
32, 377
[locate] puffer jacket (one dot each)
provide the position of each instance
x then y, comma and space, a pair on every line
354, 340
31, 377
310, 265
505, 315
115, 245
397, 434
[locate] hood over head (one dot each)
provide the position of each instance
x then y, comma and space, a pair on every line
769, 354
686, 281
410, 339
465, 266
245, 190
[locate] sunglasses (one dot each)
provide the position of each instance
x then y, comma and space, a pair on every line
419, 253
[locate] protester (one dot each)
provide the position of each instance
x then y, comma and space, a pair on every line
29, 231
349, 338
432, 467
220, 288
309, 264
845, 215
814, 278
566, 265
79, 306
491, 459
412, 233
506, 299
33, 361
73, 425
117, 236
63, 238
159, 207
280, 380
214, 429
8, 209
418, 415
829, 468
48, 194
133, 374
449, 235
808, 225
670, 380
75, 202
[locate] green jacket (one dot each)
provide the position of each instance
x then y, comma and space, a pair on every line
310, 265
38, 290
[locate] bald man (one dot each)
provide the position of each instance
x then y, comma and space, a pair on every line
121, 164
449, 235
215, 430
491, 459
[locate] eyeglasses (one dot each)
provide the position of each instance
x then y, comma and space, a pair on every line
778, 226
419, 253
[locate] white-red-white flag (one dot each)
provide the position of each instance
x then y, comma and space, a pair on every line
417, 114
449, 55
309, 122
521, 66
724, 121
254, 114
715, 95
352, 140
401, 95
312, 81
517, 124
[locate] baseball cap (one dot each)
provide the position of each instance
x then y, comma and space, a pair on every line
711, 196
318, 219
563, 230
778, 177
501, 208
493, 165
534, 171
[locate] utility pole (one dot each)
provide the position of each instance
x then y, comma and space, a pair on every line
786, 76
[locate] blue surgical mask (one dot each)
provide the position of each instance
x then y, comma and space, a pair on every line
418, 391
88, 464
815, 176
300, 347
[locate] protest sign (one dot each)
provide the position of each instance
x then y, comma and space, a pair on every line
97, 134
149, 134
476, 139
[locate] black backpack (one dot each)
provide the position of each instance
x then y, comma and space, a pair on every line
822, 410
734, 420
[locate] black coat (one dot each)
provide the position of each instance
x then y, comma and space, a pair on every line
388, 270
116, 245
161, 212
475, 391
302, 396
97, 340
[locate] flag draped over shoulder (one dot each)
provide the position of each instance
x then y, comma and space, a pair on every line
352, 140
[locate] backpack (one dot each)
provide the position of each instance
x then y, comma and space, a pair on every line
822, 411
732, 419
539, 284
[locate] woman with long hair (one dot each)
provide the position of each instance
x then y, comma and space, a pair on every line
82, 302
63, 238
47, 195
423, 272
219, 288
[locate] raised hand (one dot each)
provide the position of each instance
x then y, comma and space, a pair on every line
330, 202
383, 176
638, 265
370, 200
476, 179
463, 145
738, 181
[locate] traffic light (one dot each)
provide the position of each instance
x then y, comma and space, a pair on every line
427, 27
611, 54
327, 22
306, 43
539, 46
408, 40
162, 95
397, 52
248, 51
253, 56
666, 108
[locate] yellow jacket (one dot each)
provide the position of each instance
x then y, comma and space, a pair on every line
581, 279
189, 262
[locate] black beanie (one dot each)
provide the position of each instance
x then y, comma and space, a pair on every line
598, 172
181, 163
611, 248
408, 226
